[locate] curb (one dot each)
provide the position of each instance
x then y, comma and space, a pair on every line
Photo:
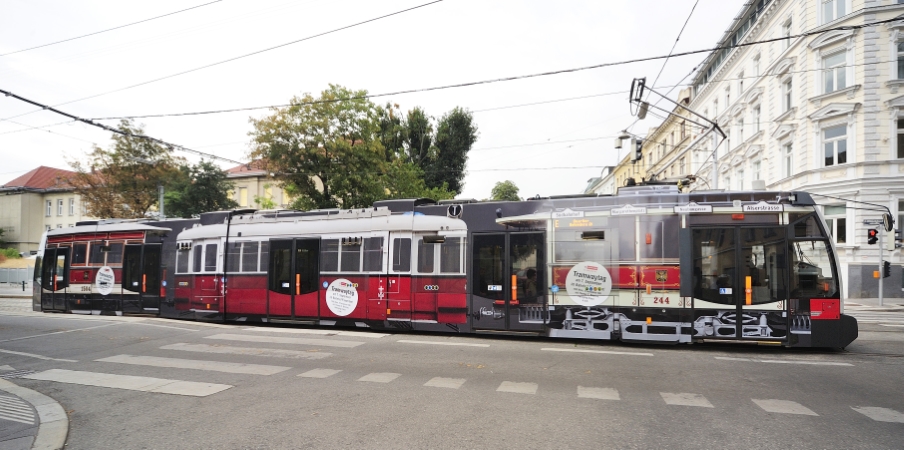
54, 424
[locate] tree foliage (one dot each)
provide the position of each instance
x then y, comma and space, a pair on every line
339, 150
121, 182
505, 190
199, 188
455, 135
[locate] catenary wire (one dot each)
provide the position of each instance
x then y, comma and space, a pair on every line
666, 60
108, 29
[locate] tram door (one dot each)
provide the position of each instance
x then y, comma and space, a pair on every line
141, 276
508, 281
740, 282
293, 278
54, 278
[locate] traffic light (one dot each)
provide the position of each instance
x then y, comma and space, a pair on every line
872, 236
638, 154
886, 269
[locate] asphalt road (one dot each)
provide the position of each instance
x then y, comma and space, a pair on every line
136, 383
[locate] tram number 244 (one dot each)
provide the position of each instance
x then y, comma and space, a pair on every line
679, 302
661, 300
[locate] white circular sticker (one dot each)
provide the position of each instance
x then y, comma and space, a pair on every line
588, 283
104, 280
341, 297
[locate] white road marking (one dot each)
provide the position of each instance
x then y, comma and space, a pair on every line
604, 352
880, 414
128, 382
32, 355
451, 383
518, 388
462, 344
320, 332
776, 361
599, 393
685, 399
216, 366
784, 407
380, 377
250, 351
16, 410
892, 324
5, 368
319, 373
57, 332
286, 340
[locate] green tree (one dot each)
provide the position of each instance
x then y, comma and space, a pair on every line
332, 151
455, 135
505, 190
419, 138
199, 188
122, 182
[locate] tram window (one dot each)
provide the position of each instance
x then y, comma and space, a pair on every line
425, 256
487, 278
662, 233
351, 257
401, 255
210, 258
233, 257
329, 255
265, 256
807, 227
249, 256
114, 255
812, 270
373, 254
450, 255
196, 258
96, 256
714, 264
182, 261
79, 254
763, 256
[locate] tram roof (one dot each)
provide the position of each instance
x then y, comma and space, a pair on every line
106, 228
255, 225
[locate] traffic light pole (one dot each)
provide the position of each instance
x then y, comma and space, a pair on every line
881, 274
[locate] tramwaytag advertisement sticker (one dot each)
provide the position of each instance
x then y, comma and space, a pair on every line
104, 280
588, 283
341, 297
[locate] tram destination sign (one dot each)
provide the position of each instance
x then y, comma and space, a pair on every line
628, 210
693, 207
763, 207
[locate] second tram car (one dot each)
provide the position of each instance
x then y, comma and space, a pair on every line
649, 264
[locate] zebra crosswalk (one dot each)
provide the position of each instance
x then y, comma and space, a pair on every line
876, 315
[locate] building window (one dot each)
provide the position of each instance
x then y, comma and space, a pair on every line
727, 96
837, 222
833, 73
834, 144
788, 160
60, 208
48, 208
901, 60
786, 33
786, 95
681, 168
727, 183
71, 206
756, 65
243, 196
47, 228
900, 138
756, 119
741, 130
833, 9
757, 165
740, 179
715, 107
59, 225
740, 84
683, 130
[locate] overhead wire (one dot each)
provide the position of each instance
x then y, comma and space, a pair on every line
666, 60
108, 29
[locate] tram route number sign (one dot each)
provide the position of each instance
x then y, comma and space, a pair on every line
588, 283
341, 297
104, 280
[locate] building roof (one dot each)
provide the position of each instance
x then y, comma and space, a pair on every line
42, 178
254, 168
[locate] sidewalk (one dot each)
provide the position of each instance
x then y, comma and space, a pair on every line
30, 419
888, 304
15, 291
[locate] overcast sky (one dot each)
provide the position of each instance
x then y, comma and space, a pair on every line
551, 148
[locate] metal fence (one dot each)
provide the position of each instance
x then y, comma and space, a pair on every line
16, 276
